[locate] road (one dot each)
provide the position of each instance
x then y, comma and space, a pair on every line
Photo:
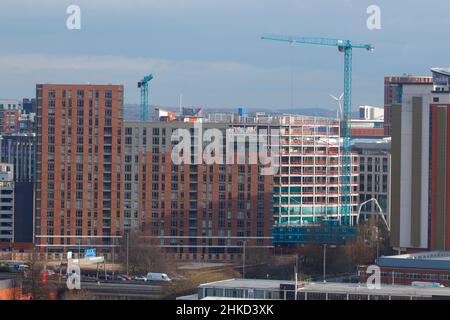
123, 290
111, 289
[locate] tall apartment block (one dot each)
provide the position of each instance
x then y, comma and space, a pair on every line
308, 188
6, 203
374, 157
393, 92
78, 185
18, 150
196, 210
420, 207
208, 211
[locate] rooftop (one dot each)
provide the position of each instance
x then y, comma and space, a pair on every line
330, 287
422, 260
432, 255
443, 71
247, 283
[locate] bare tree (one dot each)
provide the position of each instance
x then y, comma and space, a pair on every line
34, 283
144, 254
194, 278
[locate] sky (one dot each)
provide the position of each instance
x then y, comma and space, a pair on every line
210, 51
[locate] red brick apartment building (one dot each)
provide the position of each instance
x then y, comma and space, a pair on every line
9, 116
9, 122
98, 177
196, 211
78, 185
440, 176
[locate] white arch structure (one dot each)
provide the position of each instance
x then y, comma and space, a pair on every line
380, 212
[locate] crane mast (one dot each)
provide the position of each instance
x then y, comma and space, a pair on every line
345, 46
143, 85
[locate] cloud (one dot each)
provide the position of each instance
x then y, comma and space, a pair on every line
207, 83
210, 50
202, 80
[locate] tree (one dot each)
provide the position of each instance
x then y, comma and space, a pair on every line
258, 260
145, 254
33, 281
192, 280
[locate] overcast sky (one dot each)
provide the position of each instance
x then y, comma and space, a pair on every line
210, 50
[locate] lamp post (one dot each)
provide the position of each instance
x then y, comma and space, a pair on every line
113, 266
325, 261
11, 248
244, 243
378, 244
296, 276
128, 242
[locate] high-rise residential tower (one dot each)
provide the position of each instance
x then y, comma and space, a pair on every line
18, 150
196, 210
420, 207
78, 195
6, 203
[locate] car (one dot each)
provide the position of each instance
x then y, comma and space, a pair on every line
140, 278
120, 278
126, 277
156, 276
105, 277
53, 275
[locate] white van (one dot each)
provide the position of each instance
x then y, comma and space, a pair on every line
154, 276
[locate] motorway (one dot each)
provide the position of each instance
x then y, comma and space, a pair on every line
123, 290
110, 289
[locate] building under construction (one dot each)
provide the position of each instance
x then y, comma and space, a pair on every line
308, 187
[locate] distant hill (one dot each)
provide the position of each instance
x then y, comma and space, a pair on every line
132, 111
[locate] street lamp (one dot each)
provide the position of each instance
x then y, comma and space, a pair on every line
128, 241
113, 265
296, 273
325, 260
244, 243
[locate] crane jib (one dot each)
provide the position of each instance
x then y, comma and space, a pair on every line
345, 46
